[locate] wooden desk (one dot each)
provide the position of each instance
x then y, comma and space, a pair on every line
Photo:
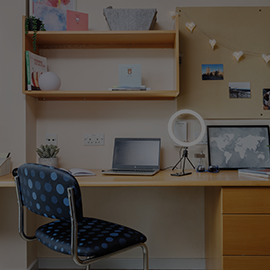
163, 179
237, 213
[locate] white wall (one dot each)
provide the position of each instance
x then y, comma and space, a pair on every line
12, 109
12, 132
178, 212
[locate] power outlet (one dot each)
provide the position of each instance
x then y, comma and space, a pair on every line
51, 138
93, 139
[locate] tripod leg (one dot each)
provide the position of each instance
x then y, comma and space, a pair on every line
177, 163
183, 169
184, 156
191, 163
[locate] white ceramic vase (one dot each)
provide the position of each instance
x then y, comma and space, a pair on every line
49, 161
49, 81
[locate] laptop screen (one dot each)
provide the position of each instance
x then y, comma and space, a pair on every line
136, 153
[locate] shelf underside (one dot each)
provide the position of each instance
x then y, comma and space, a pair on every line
112, 39
103, 95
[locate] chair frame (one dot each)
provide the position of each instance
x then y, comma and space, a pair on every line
74, 232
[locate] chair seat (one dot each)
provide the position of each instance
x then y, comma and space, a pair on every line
95, 237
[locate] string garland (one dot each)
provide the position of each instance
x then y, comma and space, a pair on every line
191, 26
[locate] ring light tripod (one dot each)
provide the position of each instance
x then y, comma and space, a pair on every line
185, 144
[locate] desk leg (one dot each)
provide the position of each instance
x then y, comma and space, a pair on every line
213, 228
12, 248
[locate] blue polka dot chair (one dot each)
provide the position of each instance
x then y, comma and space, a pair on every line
54, 193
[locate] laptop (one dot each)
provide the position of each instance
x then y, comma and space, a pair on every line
135, 156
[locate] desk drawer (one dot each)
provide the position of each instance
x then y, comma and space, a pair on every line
246, 200
246, 263
246, 235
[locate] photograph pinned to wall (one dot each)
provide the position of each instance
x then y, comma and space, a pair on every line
266, 98
212, 72
239, 90
61, 4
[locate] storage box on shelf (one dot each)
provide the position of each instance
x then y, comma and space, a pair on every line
167, 39
130, 19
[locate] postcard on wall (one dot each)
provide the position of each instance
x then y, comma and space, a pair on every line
212, 72
266, 98
61, 4
239, 90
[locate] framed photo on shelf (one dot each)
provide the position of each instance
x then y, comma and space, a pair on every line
236, 147
55, 14
61, 4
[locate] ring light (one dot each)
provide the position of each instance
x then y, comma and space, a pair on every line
171, 132
185, 144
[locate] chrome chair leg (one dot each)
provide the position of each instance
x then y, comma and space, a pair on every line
72, 212
145, 257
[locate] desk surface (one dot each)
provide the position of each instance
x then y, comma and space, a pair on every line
162, 179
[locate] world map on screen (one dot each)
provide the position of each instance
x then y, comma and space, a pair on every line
234, 147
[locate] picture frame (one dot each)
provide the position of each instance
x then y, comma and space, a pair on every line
71, 5
236, 147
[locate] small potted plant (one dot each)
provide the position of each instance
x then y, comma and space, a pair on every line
47, 154
33, 23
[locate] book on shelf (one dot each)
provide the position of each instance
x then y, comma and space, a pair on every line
130, 75
129, 88
35, 66
261, 172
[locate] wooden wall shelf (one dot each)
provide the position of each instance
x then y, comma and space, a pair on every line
164, 39
103, 95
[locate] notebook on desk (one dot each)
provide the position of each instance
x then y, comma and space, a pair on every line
135, 156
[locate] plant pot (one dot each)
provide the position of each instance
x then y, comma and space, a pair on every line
31, 25
49, 161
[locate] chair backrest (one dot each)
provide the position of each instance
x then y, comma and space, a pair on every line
43, 190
